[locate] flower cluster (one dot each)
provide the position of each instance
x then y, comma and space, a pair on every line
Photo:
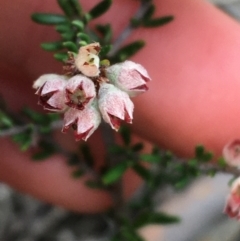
231, 154
91, 90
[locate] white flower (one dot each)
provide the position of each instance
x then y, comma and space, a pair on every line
231, 153
129, 77
232, 207
87, 60
80, 91
115, 105
84, 122
51, 91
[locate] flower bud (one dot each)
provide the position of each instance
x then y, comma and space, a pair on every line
129, 77
80, 90
231, 153
51, 91
84, 122
87, 60
232, 208
115, 105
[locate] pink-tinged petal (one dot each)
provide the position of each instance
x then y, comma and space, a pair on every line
83, 122
232, 207
52, 92
80, 91
115, 105
48, 78
87, 60
231, 153
129, 77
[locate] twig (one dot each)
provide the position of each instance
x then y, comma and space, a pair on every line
128, 30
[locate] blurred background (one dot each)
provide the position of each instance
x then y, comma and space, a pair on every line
200, 206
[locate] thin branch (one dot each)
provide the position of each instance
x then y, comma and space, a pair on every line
18, 129
128, 30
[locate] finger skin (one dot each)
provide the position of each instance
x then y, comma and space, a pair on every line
193, 98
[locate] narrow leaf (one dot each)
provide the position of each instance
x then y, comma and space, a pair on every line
71, 46
47, 150
149, 13
125, 134
156, 22
78, 24
62, 28
87, 155
100, 8
61, 56
129, 50
84, 37
48, 18
137, 147
142, 172
114, 174
155, 218
66, 7
150, 158
52, 46
199, 151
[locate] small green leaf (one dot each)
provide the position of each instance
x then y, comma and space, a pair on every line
76, 6
156, 22
61, 56
149, 13
114, 174
47, 150
62, 28
100, 8
125, 134
24, 139
5, 120
87, 155
106, 32
199, 151
129, 50
66, 7
116, 149
78, 24
155, 218
68, 36
77, 173
221, 162
84, 37
35, 116
105, 50
150, 158
135, 22
71, 46
52, 46
137, 147
143, 172
48, 18
208, 156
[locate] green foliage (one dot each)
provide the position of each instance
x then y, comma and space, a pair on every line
157, 22
61, 56
71, 8
47, 149
202, 155
151, 217
129, 50
52, 46
87, 155
70, 46
114, 174
100, 9
24, 139
125, 134
5, 120
49, 18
